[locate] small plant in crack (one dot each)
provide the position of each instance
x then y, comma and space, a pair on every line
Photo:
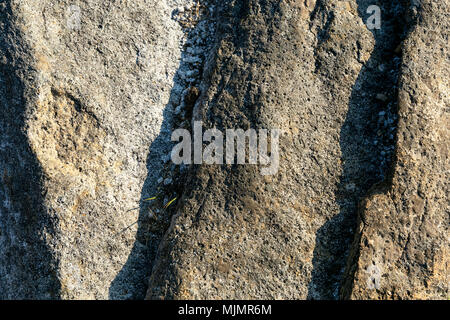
158, 204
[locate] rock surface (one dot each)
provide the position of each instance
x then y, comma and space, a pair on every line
325, 81
85, 92
401, 250
90, 93
310, 69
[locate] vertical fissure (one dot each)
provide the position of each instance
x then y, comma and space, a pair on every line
379, 87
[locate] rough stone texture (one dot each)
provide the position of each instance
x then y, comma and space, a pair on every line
82, 100
90, 92
312, 69
402, 246
238, 234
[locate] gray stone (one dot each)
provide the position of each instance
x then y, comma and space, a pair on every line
92, 208
83, 94
403, 223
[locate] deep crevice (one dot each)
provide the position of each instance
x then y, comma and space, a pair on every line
154, 220
367, 142
404, 17
27, 267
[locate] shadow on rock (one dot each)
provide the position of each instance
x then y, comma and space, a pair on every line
367, 144
164, 179
27, 267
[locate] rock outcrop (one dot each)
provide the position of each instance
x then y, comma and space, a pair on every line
316, 72
85, 93
402, 246
91, 207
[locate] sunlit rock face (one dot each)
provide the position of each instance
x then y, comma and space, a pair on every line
86, 90
92, 207
401, 248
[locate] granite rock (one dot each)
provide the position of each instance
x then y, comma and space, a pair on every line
91, 207
401, 248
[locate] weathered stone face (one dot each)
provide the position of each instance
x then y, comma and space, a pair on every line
401, 250
84, 88
326, 81
89, 96
241, 235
